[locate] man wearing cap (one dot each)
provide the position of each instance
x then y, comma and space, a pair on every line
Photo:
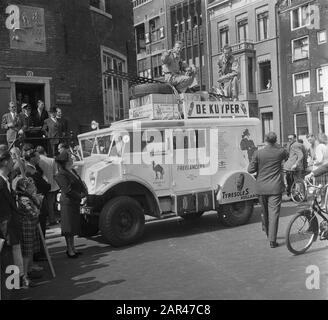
11, 123
26, 119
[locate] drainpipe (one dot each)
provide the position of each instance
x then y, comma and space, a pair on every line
281, 129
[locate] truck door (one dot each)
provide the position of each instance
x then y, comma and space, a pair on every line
189, 145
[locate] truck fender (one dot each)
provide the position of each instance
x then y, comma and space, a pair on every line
236, 186
132, 183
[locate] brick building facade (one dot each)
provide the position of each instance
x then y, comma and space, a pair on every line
159, 23
249, 28
303, 47
57, 51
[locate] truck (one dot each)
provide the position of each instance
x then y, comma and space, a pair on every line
174, 156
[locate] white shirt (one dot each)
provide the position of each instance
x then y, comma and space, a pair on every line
321, 154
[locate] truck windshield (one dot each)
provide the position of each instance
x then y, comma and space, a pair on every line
96, 145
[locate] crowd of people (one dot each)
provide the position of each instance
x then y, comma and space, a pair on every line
276, 168
35, 124
29, 183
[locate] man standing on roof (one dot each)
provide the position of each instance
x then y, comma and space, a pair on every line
228, 75
177, 72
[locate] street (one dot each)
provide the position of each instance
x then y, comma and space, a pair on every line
179, 259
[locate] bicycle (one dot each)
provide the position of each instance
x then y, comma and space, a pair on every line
304, 228
298, 189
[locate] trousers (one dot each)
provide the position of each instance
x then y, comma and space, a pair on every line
270, 214
181, 82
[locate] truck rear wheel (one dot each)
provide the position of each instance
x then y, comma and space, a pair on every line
237, 213
122, 221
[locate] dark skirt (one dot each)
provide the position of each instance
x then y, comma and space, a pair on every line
70, 218
31, 238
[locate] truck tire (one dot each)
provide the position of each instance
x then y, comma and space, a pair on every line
149, 88
193, 215
237, 213
122, 221
89, 226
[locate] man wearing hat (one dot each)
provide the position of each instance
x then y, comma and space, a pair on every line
11, 123
26, 118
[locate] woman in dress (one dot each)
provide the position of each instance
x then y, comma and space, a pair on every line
29, 203
72, 191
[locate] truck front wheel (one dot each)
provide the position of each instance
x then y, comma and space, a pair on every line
237, 213
122, 221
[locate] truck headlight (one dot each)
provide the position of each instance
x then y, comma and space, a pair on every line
92, 179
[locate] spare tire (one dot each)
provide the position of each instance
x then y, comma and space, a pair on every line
149, 88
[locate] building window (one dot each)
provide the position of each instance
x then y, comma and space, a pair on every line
156, 31
319, 80
115, 90
267, 123
301, 125
224, 36
300, 17
265, 75
262, 25
321, 122
250, 75
242, 30
138, 3
140, 37
322, 36
102, 5
156, 64
300, 48
301, 83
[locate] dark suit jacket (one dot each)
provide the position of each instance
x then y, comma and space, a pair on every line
9, 212
26, 122
71, 187
39, 119
267, 164
52, 130
64, 126
12, 131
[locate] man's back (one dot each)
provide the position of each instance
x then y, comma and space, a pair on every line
267, 163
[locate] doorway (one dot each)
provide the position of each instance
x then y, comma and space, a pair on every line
29, 93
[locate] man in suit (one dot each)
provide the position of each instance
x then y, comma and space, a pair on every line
53, 131
26, 119
11, 123
295, 163
9, 215
40, 115
62, 121
267, 164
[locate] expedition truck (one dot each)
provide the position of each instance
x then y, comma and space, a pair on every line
170, 158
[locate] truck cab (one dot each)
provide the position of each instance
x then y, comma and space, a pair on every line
169, 160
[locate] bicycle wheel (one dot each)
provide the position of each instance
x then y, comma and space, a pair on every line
301, 231
298, 191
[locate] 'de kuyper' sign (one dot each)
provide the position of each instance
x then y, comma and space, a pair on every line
203, 109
